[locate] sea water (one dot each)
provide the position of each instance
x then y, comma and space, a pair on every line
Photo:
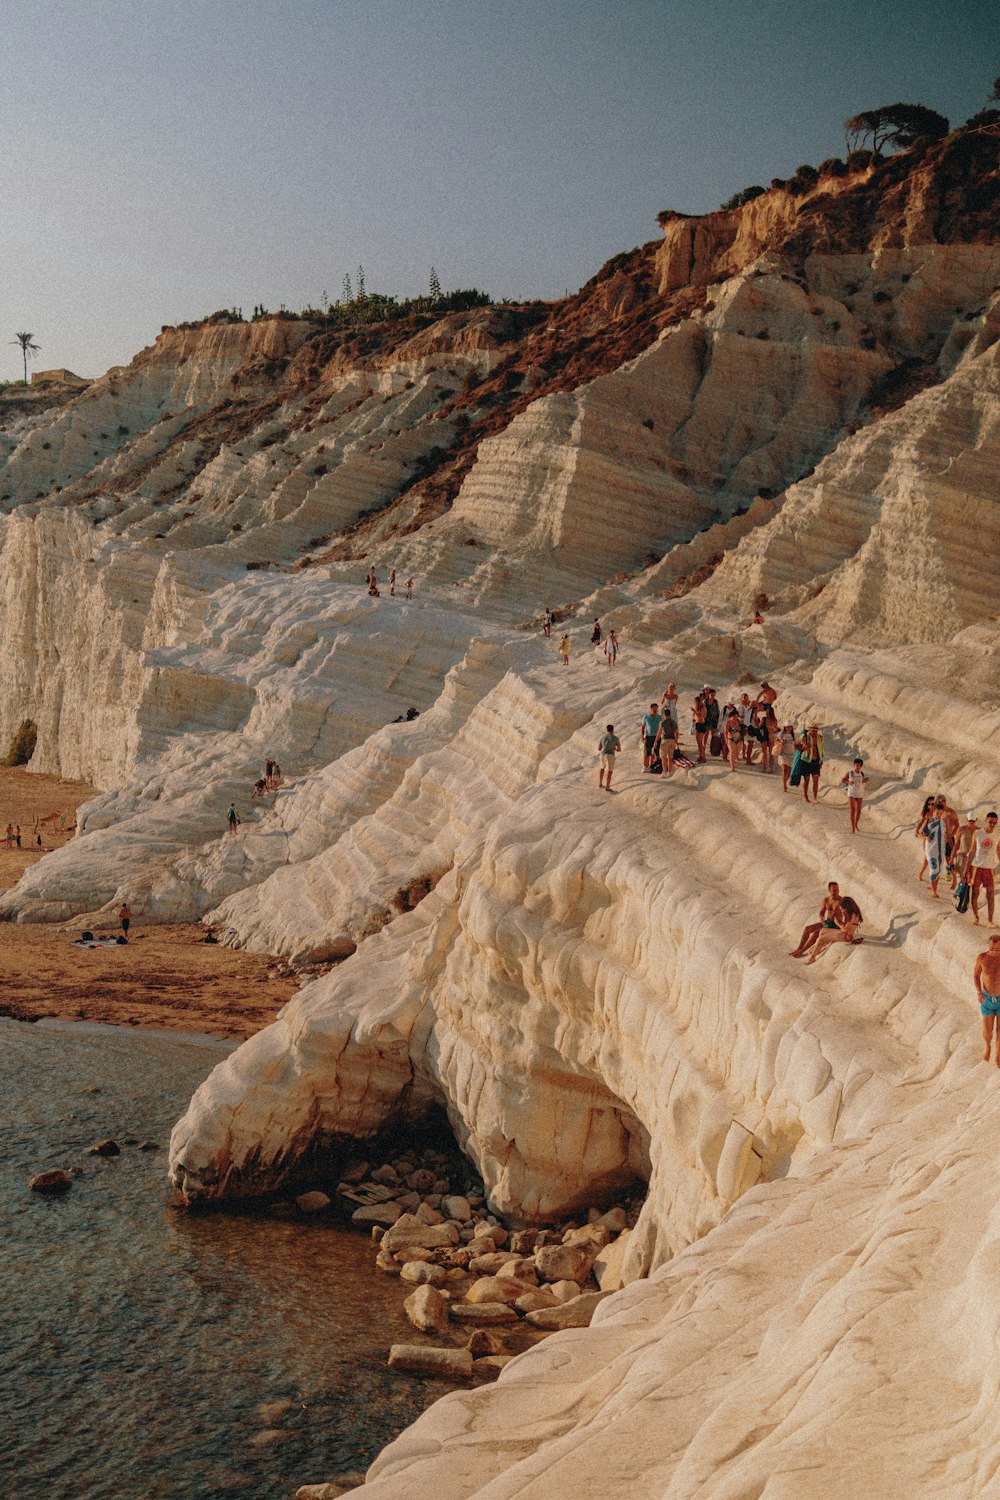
139, 1343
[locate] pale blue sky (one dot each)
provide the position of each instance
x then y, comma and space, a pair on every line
163, 158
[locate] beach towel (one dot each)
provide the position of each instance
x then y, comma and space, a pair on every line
934, 847
796, 775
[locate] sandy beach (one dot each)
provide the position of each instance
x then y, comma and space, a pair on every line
166, 978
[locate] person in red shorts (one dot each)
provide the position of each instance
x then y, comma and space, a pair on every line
982, 863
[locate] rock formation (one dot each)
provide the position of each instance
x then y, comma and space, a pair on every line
794, 404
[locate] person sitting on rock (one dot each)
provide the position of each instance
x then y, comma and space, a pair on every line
828, 912
848, 920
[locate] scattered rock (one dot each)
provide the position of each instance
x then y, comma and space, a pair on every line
427, 1310
454, 1206
107, 1147
493, 1261
523, 1241
563, 1263
356, 1173
492, 1289
531, 1301
271, 1412
408, 1230
410, 1202
428, 1215
564, 1291
483, 1341
384, 1214
387, 1263
518, 1268
313, 1203
608, 1265
422, 1273
590, 1236
52, 1183
576, 1313
418, 1359
615, 1219
482, 1312
421, 1181
386, 1175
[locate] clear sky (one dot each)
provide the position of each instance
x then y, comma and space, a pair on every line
163, 158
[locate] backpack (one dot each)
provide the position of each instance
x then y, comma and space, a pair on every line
716, 744
962, 895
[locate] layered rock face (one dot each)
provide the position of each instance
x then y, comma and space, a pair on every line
596, 988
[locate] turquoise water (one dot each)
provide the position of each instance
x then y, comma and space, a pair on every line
138, 1342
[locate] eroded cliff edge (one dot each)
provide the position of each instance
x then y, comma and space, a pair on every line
595, 988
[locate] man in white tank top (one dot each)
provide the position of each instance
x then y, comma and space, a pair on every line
982, 863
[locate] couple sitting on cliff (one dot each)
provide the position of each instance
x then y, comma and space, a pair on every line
839, 920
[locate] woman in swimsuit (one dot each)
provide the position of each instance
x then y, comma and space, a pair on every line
698, 724
917, 832
848, 920
734, 738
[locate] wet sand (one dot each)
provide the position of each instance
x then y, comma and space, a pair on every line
166, 978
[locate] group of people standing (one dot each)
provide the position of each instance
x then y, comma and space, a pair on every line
603, 645
964, 854
373, 588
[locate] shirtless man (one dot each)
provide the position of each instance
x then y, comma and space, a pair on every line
766, 697
828, 913
979, 870
952, 833
986, 977
849, 919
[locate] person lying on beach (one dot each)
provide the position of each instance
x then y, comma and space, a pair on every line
828, 913
848, 921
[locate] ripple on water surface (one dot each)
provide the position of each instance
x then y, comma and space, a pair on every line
140, 1344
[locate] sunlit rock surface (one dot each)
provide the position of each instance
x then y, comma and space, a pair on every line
794, 405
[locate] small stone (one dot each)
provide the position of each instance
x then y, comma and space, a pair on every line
408, 1230
480, 1245
313, 1203
497, 1233
454, 1206
564, 1291
427, 1310
523, 1241
576, 1313
107, 1147
420, 1273
460, 1257
441, 1185
490, 1365
418, 1359
609, 1265
429, 1215
271, 1412
615, 1219
482, 1312
432, 1200
387, 1263
492, 1262
421, 1181
377, 1232
589, 1236
519, 1268
563, 1263
492, 1289
268, 1438
414, 1252
409, 1202
356, 1173
484, 1341
52, 1183
384, 1214
387, 1175
532, 1301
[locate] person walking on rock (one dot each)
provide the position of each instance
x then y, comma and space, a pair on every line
811, 764
666, 741
547, 619
982, 863
611, 648
596, 636
932, 830
233, 818
986, 978
564, 650
608, 747
125, 917
855, 781
648, 731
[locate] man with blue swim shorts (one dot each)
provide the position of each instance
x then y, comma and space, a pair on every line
987, 981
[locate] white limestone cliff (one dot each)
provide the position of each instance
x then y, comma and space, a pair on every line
596, 989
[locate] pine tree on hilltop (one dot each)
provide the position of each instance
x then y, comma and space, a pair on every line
345, 291
435, 286
28, 347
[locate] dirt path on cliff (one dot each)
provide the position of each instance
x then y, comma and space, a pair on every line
166, 978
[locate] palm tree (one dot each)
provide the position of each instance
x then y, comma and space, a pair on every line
28, 346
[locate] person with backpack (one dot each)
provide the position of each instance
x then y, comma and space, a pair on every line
665, 745
233, 818
608, 747
648, 731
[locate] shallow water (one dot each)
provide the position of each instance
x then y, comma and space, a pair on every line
137, 1341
